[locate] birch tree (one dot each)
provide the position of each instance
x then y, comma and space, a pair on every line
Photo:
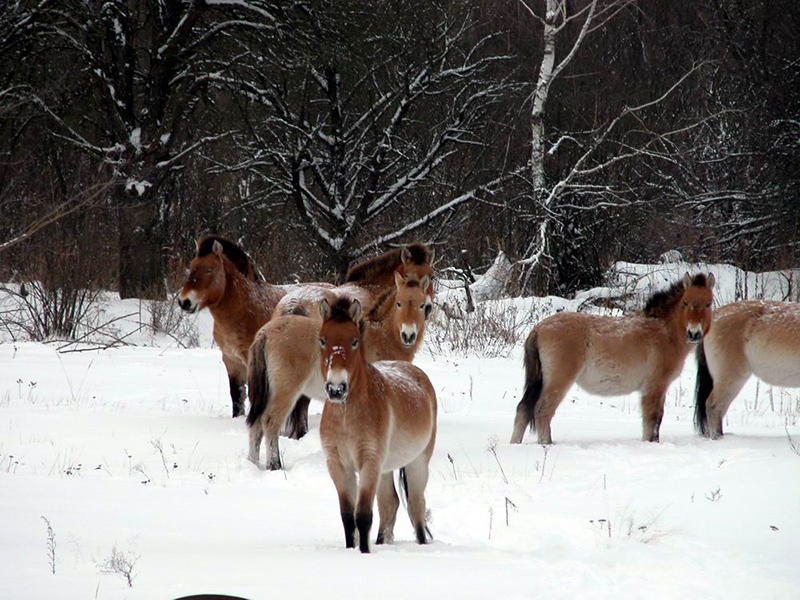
557, 18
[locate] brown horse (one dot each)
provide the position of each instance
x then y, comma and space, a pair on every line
284, 358
614, 355
224, 279
414, 260
753, 337
379, 417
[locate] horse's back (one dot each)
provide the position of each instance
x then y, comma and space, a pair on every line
305, 299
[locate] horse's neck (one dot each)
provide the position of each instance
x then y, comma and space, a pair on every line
245, 297
676, 331
362, 382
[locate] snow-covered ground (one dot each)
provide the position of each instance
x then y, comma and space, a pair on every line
133, 448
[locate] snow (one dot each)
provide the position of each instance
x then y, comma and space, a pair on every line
597, 515
136, 138
139, 185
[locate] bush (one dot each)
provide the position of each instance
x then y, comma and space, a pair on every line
492, 329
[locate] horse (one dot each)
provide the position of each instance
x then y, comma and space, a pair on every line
752, 337
379, 417
414, 260
610, 356
285, 355
224, 279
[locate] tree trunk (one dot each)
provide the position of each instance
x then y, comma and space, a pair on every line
141, 261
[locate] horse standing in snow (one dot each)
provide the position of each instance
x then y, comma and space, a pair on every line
285, 355
610, 356
753, 337
379, 417
224, 279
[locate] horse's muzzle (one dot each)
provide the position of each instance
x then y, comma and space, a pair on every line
186, 305
408, 339
337, 393
694, 337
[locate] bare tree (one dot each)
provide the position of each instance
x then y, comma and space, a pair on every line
355, 137
152, 68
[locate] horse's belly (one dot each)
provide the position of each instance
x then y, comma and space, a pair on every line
403, 449
609, 378
774, 364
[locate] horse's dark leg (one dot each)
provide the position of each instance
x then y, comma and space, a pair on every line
346, 485
238, 394
297, 424
369, 475
237, 377
652, 414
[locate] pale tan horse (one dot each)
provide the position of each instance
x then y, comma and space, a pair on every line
285, 355
611, 356
379, 417
753, 337
223, 279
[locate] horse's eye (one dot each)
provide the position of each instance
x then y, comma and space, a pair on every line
708, 304
322, 342
354, 344
422, 306
399, 305
685, 304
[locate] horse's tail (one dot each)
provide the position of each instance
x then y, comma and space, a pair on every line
703, 387
257, 379
533, 379
403, 480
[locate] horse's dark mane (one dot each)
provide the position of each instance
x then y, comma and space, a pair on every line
340, 310
378, 310
387, 262
660, 304
234, 253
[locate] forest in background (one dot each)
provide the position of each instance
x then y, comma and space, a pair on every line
567, 133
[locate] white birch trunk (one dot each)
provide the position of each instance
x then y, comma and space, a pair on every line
540, 98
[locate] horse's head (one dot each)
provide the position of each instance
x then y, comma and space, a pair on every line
696, 305
417, 269
340, 351
205, 284
412, 307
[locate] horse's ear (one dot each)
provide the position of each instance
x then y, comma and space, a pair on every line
710, 281
398, 280
405, 255
197, 246
355, 311
426, 281
325, 310
217, 248
687, 281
